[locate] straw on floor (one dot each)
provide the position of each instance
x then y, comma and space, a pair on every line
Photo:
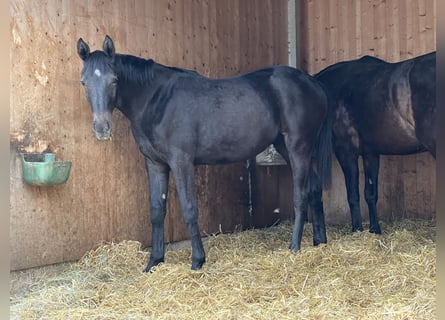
251, 275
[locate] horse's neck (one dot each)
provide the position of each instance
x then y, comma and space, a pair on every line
133, 96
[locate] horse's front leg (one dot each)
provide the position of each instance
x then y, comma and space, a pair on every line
348, 160
158, 182
183, 173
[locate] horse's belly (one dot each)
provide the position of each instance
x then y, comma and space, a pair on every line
388, 131
391, 139
391, 146
236, 149
235, 136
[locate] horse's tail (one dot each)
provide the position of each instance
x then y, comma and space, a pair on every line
324, 146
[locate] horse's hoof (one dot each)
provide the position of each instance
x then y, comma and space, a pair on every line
375, 230
316, 243
148, 269
196, 265
357, 229
151, 264
294, 249
318, 239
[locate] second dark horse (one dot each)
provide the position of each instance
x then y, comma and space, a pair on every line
181, 119
380, 108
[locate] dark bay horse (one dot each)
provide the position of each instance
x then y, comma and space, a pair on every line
380, 109
181, 119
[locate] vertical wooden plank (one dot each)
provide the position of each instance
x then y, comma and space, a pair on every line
265, 34
393, 31
368, 28
424, 186
314, 21
279, 37
421, 29
214, 40
358, 28
344, 27
333, 32
351, 30
409, 29
223, 37
305, 45
403, 29
408, 178
184, 30
254, 37
201, 10
318, 31
379, 14
234, 37
415, 35
430, 27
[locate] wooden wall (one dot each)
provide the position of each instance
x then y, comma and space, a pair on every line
106, 196
334, 30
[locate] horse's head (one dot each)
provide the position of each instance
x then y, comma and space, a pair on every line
100, 82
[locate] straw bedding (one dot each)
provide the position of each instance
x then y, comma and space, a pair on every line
250, 275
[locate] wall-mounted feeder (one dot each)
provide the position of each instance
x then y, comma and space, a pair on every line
42, 169
270, 157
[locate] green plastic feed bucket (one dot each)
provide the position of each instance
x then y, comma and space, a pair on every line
41, 169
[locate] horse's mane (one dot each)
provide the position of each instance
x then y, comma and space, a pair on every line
134, 69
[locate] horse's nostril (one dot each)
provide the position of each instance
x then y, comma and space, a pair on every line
101, 127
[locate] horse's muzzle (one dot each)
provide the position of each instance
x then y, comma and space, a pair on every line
103, 135
102, 127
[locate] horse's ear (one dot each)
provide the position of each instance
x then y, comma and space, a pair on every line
83, 49
108, 47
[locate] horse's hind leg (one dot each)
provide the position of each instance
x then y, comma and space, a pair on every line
315, 194
183, 172
299, 152
280, 146
371, 164
158, 181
